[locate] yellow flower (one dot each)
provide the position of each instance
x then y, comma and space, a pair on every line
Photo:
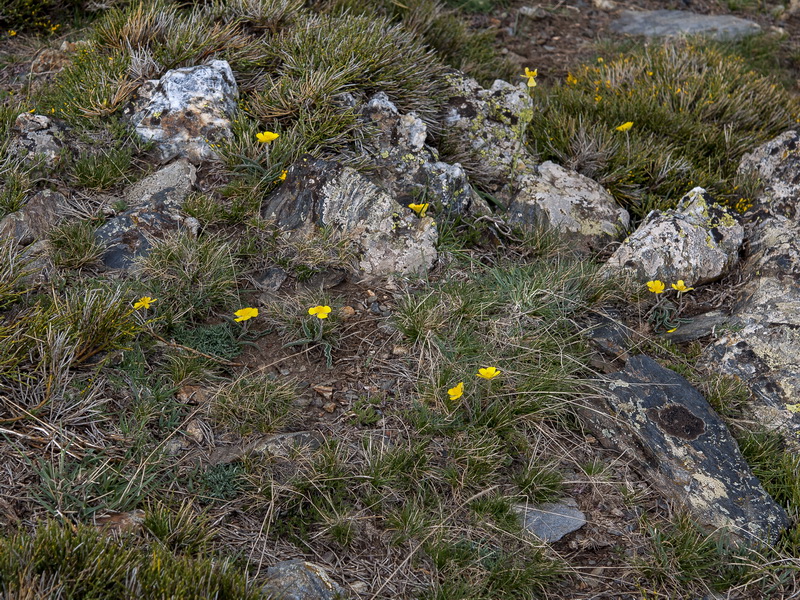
681, 287
488, 372
321, 312
671, 330
625, 126
571, 80
655, 286
530, 76
143, 302
266, 137
456, 392
793, 408
12, 33
245, 313
282, 176
420, 209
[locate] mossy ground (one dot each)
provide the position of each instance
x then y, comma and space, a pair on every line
400, 487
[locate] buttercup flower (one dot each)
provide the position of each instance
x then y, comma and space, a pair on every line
488, 372
282, 176
245, 313
321, 312
571, 79
681, 287
530, 76
625, 126
456, 392
655, 286
143, 302
266, 137
420, 209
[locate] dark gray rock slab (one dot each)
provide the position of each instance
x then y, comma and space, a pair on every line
668, 23
667, 428
387, 237
300, 580
553, 520
153, 207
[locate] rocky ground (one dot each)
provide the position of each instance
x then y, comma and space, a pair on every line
408, 229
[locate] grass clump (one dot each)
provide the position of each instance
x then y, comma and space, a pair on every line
102, 170
81, 562
254, 403
695, 112
190, 275
73, 245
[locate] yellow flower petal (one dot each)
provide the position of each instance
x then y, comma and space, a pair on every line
457, 391
282, 176
571, 80
420, 209
245, 313
625, 126
488, 372
681, 286
655, 286
143, 302
267, 136
321, 312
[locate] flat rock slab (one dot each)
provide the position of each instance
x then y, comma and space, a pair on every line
666, 23
300, 580
663, 424
552, 521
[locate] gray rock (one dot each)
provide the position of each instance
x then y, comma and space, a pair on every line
697, 242
187, 110
777, 165
551, 521
36, 137
300, 580
282, 445
407, 168
579, 207
389, 238
153, 207
491, 125
667, 23
34, 220
664, 425
761, 343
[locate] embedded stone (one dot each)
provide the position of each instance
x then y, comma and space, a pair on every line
300, 580
36, 137
697, 242
658, 420
490, 125
670, 23
551, 521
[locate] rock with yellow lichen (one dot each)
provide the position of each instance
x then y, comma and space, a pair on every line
697, 242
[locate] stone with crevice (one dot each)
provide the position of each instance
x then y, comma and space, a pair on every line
152, 208
43, 211
551, 521
387, 237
